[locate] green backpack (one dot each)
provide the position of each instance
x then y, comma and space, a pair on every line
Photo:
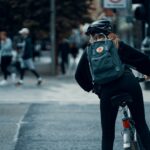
104, 62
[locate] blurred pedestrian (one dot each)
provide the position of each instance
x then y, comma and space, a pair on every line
63, 49
25, 57
6, 55
74, 50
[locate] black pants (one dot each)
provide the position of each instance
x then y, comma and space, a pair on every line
5, 63
128, 84
22, 73
64, 64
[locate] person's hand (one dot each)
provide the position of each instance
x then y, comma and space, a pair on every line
147, 77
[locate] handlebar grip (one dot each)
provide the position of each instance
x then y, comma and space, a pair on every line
141, 79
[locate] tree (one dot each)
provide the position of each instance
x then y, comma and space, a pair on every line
70, 14
36, 15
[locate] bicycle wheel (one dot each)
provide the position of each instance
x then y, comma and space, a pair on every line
134, 146
137, 145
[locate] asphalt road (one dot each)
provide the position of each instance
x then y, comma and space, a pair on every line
52, 126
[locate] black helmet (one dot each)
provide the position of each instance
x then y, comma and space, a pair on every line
100, 26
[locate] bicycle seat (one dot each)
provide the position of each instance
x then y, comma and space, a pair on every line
121, 99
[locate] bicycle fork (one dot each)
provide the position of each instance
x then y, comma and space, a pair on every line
126, 134
126, 129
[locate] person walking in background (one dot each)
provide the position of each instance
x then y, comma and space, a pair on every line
25, 57
74, 50
6, 55
63, 49
37, 50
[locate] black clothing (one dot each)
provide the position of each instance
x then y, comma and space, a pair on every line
83, 75
63, 66
22, 73
74, 51
128, 55
125, 84
63, 50
28, 49
5, 63
27, 54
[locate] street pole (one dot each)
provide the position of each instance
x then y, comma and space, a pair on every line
53, 36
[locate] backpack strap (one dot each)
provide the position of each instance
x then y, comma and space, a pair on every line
88, 58
96, 88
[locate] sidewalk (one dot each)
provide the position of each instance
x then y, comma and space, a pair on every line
59, 89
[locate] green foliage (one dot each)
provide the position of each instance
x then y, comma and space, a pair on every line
14, 14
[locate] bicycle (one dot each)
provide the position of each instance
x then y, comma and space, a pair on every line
131, 140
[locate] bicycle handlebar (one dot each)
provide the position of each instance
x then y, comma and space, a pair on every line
140, 79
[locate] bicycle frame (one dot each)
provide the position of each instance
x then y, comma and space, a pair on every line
129, 131
131, 140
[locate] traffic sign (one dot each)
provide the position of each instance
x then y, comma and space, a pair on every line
115, 3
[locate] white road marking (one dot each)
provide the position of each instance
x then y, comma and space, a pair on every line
19, 124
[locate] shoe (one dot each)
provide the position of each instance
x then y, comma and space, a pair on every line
3, 82
39, 82
20, 82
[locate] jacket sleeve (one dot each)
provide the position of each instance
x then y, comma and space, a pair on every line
134, 58
83, 75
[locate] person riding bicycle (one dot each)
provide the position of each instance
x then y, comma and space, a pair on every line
126, 83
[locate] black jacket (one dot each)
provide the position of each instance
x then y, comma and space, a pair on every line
28, 49
128, 55
63, 50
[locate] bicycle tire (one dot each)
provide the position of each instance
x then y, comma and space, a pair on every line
136, 145
127, 148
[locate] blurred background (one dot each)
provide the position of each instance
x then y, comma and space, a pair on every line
54, 113
53, 22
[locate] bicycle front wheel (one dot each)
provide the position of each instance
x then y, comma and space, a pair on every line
134, 146
137, 145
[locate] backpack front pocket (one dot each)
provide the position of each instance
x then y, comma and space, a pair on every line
103, 63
